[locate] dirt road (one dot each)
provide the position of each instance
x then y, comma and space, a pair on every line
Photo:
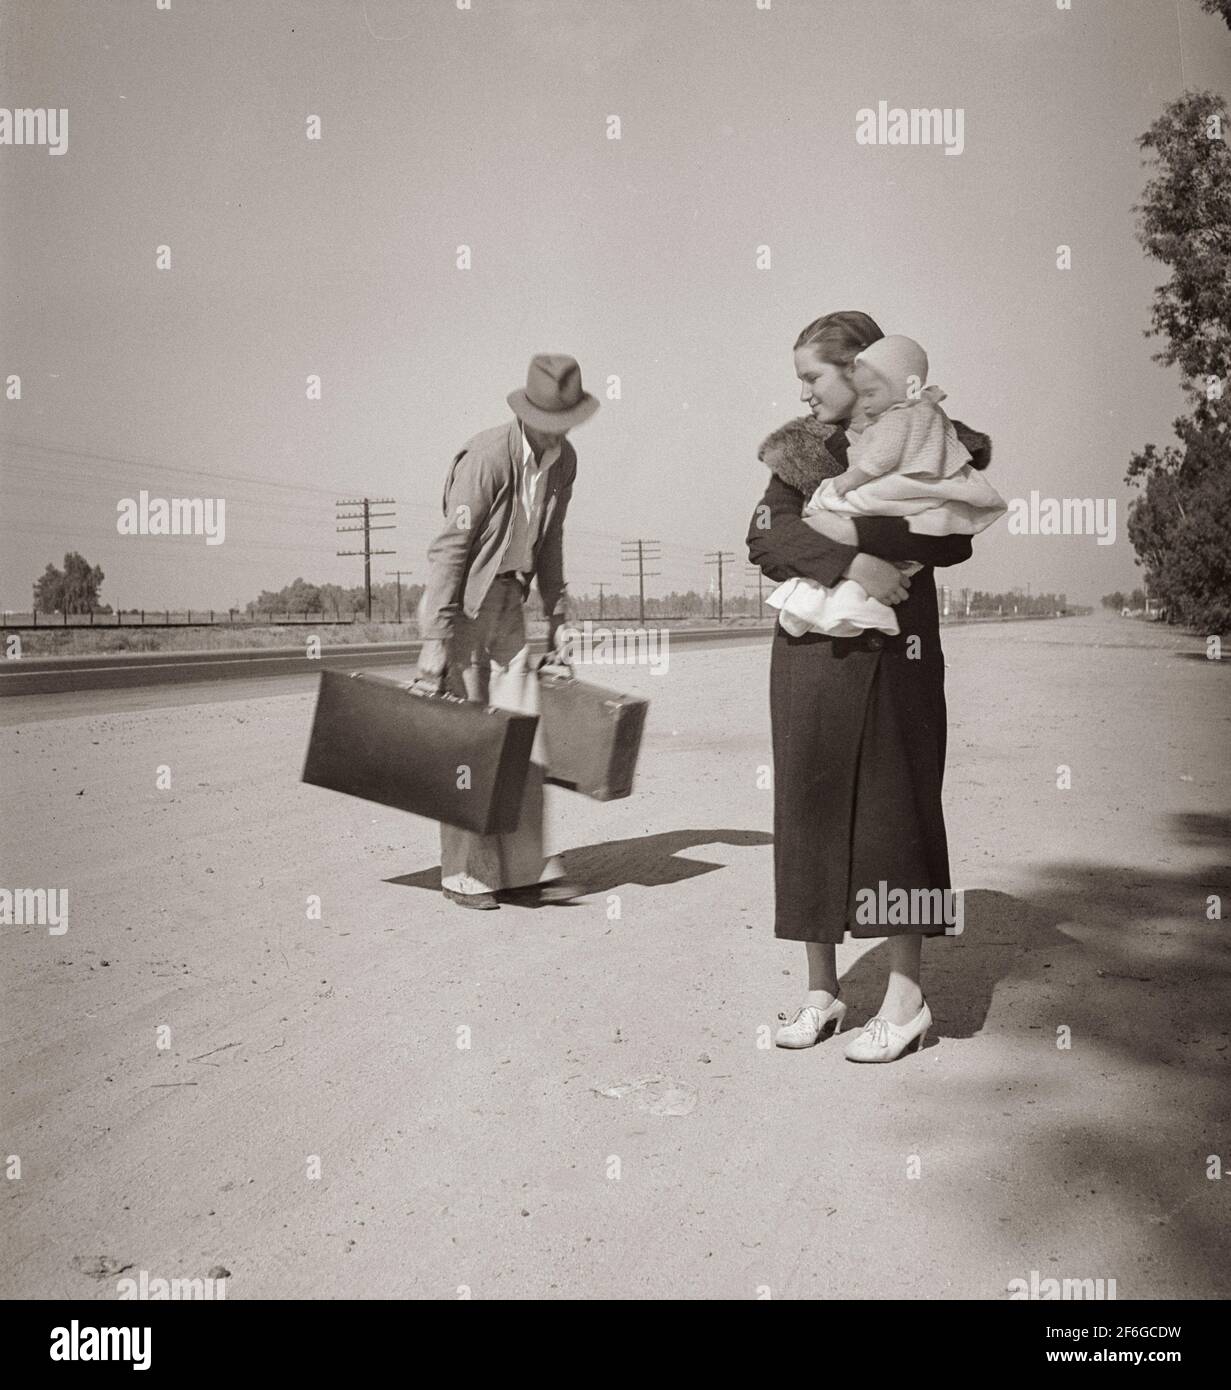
336, 1046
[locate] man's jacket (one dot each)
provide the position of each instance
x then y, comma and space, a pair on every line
479, 497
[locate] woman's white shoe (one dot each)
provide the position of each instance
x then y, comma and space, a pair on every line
810, 1025
882, 1041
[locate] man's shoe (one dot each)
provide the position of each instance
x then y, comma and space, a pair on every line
555, 890
561, 890
482, 902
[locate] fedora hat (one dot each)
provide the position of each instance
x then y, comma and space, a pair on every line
553, 400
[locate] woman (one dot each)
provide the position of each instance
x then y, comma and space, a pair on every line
858, 723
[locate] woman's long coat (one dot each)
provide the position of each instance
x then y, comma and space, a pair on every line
859, 724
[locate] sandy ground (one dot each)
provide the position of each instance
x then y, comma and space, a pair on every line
502, 1168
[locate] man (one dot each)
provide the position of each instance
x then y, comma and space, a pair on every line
505, 500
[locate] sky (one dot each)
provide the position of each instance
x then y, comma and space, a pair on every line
488, 127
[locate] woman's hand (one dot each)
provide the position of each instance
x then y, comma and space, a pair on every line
881, 579
837, 528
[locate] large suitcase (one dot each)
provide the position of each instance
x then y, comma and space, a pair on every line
436, 756
590, 735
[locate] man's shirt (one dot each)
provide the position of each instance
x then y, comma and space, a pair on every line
528, 513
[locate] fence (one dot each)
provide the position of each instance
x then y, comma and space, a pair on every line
581, 612
192, 617
235, 618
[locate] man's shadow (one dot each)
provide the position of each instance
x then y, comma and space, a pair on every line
649, 860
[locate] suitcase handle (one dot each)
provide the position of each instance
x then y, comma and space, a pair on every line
444, 695
409, 688
551, 662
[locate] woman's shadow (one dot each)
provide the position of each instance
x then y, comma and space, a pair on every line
1139, 940
998, 933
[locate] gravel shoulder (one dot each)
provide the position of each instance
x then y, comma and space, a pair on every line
718, 1167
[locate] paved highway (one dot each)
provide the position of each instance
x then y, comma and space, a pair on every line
122, 670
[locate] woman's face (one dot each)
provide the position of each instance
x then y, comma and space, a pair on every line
827, 392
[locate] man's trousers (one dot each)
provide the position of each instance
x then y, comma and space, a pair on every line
489, 662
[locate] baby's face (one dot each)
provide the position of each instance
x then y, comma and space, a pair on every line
875, 393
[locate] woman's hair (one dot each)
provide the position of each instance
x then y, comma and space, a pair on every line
837, 338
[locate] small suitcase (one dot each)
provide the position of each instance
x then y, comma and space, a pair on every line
448, 759
590, 736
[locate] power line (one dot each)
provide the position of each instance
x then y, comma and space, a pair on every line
641, 551
398, 574
675, 550
367, 528
719, 558
749, 571
154, 466
40, 470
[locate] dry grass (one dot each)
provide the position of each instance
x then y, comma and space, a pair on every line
83, 641
86, 641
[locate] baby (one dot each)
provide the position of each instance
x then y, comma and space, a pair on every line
907, 462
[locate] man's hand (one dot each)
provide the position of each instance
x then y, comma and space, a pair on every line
432, 662
882, 580
558, 631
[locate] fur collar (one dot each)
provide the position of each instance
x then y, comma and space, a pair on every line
798, 453
804, 452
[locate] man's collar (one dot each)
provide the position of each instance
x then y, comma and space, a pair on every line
527, 453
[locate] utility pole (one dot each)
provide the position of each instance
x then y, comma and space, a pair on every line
640, 551
719, 558
399, 574
365, 516
750, 570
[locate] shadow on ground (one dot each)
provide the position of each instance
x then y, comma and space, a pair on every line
1201, 656
1118, 1127
1001, 935
649, 860
1129, 960
1117, 926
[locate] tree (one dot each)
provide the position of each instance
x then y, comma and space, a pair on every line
1218, 7
330, 599
74, 589
1180, 524
1185, 222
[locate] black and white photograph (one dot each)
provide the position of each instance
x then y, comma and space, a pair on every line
615, 620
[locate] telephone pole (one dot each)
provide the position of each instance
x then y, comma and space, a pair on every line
399, 574
719, 558
638, 552
365, 516
751, 570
